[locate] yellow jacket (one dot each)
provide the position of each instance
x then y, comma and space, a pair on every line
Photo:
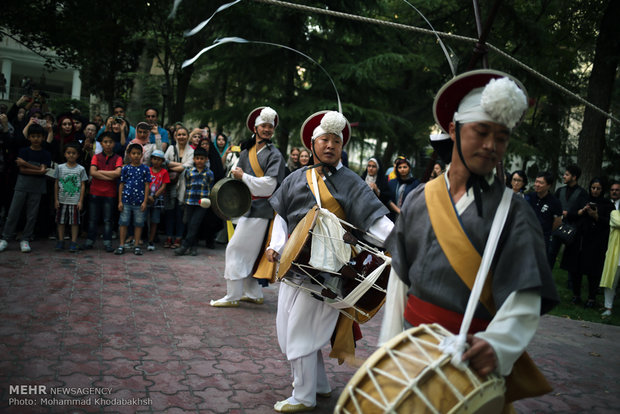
613, 251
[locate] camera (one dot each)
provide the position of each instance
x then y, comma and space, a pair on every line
41, 122
118, 119
592, 205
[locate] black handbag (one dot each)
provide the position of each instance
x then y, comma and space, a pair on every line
566, 232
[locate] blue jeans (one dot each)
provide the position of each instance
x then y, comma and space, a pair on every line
129, 212
100, 206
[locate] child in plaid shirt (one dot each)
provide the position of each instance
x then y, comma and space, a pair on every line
198, 183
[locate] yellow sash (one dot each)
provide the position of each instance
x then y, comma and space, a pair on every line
462, 255
327, 199
343, 342
525, 380
252, 154
264, 269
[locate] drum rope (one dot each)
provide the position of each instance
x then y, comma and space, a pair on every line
445, 35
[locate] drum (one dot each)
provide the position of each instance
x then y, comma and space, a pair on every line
230, 198
364, 278
410, 374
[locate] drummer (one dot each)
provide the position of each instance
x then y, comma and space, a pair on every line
305, 323
261, 167
444, 227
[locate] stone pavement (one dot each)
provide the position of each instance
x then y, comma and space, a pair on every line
131, 334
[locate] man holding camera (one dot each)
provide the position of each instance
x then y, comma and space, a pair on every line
159, 135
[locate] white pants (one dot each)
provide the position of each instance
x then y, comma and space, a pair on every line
241, 254
309, 377
304, 326
244, 247
610, 294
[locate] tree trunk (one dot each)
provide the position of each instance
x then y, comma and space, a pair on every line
184, 76
600, 87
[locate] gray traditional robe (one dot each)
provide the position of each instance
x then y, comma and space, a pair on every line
294, 198
520, 261
272, 162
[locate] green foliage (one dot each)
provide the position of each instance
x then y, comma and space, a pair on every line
386, 77
577, 312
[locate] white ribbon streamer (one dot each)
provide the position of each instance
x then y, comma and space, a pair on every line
224, 40
456, 345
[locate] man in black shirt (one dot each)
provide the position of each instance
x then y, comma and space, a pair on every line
546, 206
572, 197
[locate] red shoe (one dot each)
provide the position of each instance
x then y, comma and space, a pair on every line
168, 243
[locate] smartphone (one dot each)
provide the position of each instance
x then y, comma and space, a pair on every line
42, 122
235, 148
592, 205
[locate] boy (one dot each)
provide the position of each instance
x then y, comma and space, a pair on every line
105, 169
198, 183
33, 162
159, 180
69, 190
132, 197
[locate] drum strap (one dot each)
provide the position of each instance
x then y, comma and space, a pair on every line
343, 339
525, 379
326, 198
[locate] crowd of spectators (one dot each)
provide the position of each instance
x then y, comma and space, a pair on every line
106, 177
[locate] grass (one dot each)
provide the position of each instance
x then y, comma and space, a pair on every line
577, 312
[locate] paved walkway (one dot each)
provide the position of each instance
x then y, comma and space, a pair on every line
138, 332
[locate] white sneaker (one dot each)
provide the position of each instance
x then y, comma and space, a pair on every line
3, 245
151, 247
25, 246
606, 313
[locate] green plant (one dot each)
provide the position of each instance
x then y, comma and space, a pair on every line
566, 309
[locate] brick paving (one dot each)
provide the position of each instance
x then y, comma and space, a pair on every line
138, 331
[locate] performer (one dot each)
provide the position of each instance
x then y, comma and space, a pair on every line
442, 231
305, 323
261, 167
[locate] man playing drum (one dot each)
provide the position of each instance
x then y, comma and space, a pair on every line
261, 167
444, 226
305, 323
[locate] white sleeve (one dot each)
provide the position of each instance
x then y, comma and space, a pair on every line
380, 229
260, 186
512, 328
278, 234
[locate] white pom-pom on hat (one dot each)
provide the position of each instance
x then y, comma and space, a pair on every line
266, 116
459, 100
261, 115
504, 101
311, 128
332, 123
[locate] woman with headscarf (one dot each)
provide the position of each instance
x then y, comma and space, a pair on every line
401, 186
586, 254
211, 224
293, 160
195, 137
180, 153
377, 181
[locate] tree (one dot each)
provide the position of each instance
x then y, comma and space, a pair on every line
600, 89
